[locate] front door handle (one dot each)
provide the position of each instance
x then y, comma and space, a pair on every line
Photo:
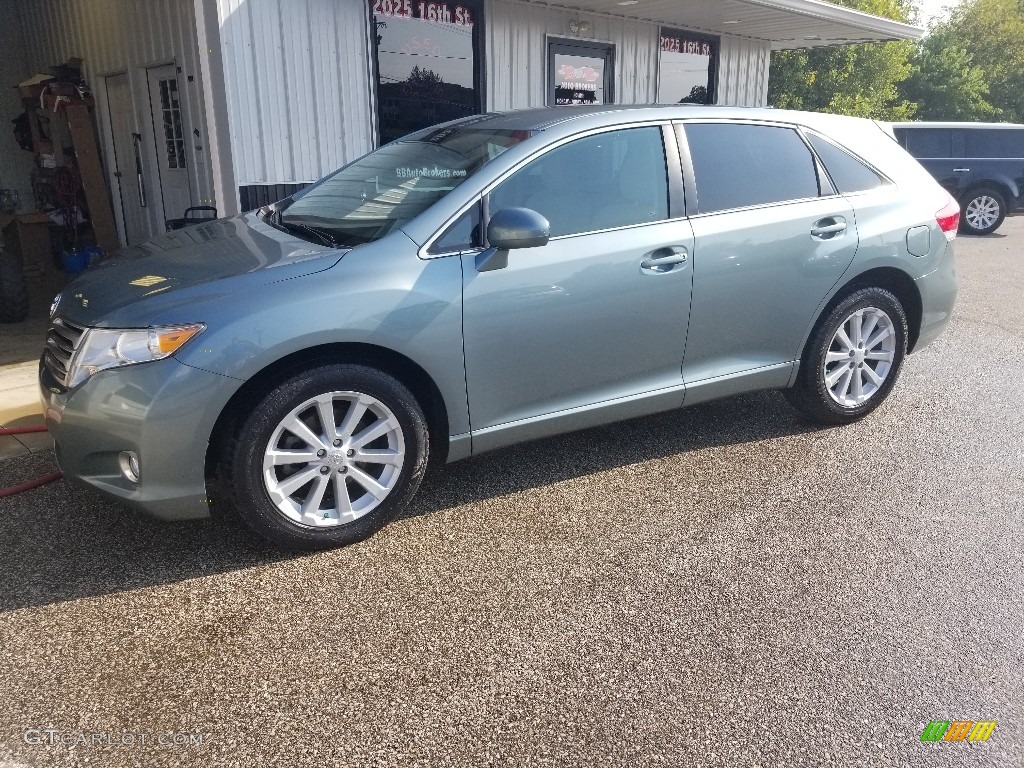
961, 170
828, 228
663, 260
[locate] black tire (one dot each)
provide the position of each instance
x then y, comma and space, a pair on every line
13, 291
242, 471
812, 396
986, 203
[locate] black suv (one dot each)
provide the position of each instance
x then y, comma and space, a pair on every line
980, 164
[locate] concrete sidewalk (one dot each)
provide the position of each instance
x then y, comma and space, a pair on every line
21, 344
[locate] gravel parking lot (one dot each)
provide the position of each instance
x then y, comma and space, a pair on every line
720, 586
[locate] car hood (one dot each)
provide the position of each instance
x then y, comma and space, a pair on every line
189, 258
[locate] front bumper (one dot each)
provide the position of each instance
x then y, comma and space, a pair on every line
163, 410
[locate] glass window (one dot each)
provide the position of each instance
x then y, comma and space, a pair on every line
174, 135
612, 179
426, 66
461, 235
377, 193
687, 68
994, 142
737, 165
926, 142
848, 173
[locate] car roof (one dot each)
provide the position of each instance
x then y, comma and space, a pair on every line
606, 114
946, 124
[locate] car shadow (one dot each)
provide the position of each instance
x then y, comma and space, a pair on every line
61, 542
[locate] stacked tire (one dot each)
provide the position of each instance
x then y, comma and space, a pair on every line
13, 291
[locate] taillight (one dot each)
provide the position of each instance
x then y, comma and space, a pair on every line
948, 218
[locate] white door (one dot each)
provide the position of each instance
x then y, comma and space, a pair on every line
171, 134
127, 159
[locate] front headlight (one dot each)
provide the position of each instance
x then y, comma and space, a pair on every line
102, 348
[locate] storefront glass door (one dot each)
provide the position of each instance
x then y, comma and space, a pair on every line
580, 72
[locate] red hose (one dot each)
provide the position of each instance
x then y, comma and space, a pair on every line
21, 430
29, 484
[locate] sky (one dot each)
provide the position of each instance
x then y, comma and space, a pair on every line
931, 10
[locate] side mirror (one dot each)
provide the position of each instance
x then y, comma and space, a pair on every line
512, 228
518, 228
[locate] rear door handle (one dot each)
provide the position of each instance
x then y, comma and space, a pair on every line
663, 260
828, 228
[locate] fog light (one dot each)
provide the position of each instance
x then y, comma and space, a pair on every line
129, 461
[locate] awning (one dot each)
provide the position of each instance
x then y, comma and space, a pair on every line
785, 23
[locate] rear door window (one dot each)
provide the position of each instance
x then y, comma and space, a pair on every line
994, 142
739, 165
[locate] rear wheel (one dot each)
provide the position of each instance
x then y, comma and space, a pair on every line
327, 458
852, 359
983, 211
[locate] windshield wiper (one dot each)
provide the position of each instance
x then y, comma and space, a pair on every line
320, 234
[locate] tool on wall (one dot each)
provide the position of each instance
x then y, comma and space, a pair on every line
136, 142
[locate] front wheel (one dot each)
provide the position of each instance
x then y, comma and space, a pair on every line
984, 210
852, 359
327, 458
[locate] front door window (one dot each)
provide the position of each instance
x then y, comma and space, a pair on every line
426, 64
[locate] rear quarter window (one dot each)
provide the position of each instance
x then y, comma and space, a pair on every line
847, 172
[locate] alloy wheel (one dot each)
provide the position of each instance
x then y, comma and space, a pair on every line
333, 459
982, 212
860, 357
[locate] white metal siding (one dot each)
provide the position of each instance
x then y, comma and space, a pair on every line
743, 72
297, 75
517, 56
115, 36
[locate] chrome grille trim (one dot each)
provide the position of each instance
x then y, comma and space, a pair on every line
61, 342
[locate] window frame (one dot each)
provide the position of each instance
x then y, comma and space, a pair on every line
673, 164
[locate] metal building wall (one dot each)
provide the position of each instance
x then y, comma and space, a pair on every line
517, 56
115, 36
297, 75
743, 71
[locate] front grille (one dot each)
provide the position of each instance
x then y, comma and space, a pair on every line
61, 342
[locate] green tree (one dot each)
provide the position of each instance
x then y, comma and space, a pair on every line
945, 83
860, 80
991, 32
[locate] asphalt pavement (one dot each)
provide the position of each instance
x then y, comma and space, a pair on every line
718, 586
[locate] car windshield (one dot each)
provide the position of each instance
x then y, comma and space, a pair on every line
382, 191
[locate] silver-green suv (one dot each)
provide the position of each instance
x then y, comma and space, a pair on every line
488, 281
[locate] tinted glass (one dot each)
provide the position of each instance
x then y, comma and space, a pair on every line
848, 173
926, 142
686, 68
425, 64
613, 179
740, 165
994, 142
463, 234
383, 190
